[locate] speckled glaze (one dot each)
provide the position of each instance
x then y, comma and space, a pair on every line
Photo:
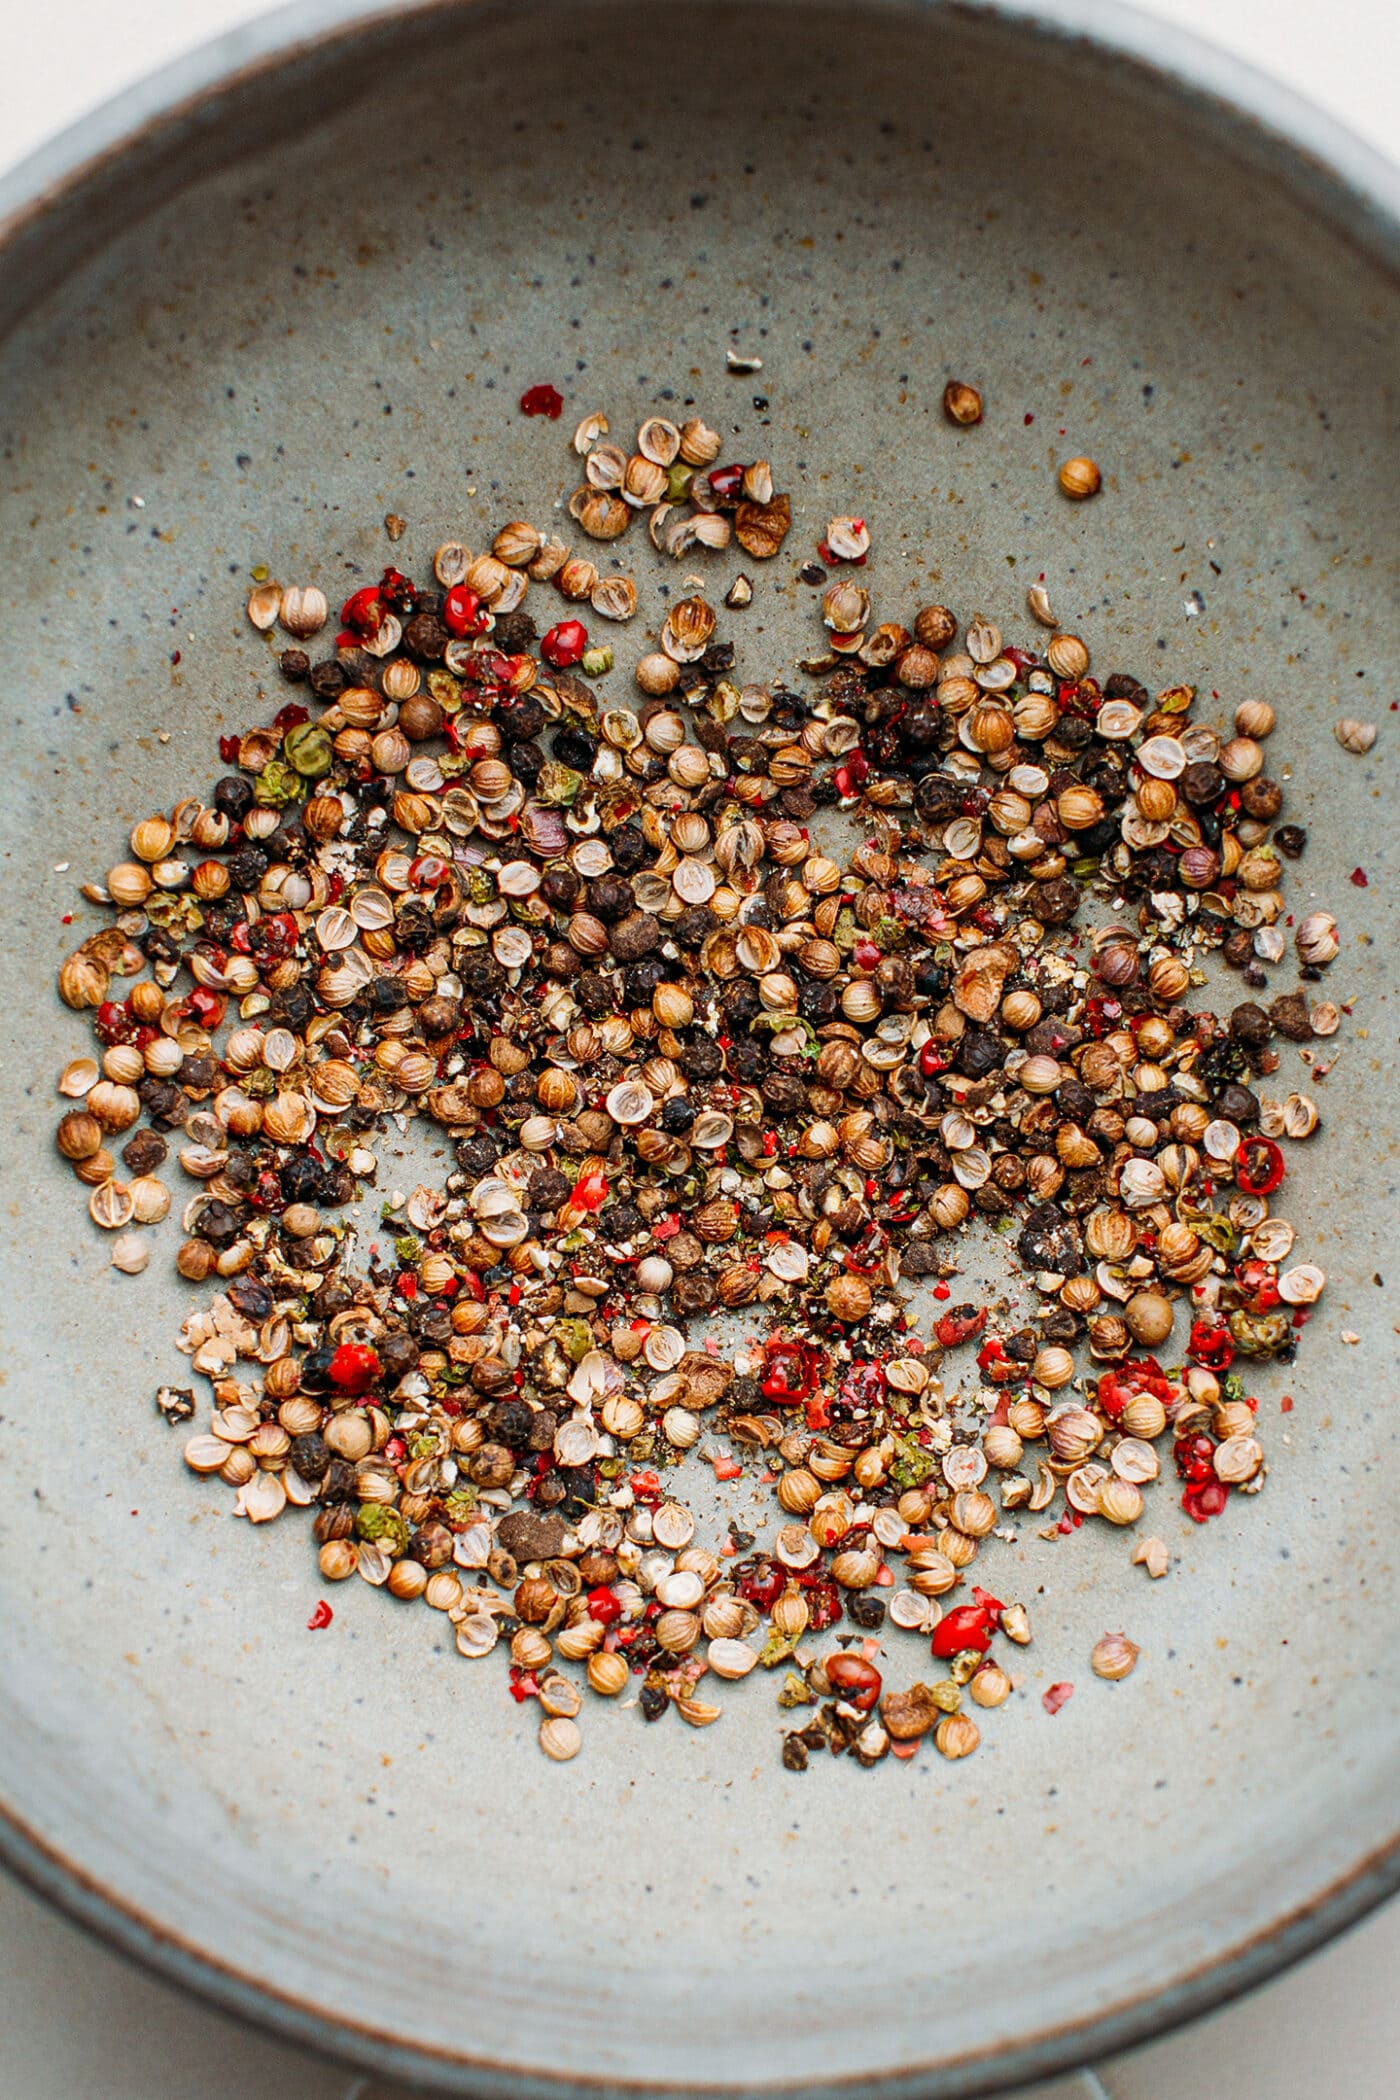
314, 297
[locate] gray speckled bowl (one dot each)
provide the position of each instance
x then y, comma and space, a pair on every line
310, 295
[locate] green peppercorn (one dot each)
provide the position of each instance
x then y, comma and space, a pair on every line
277, 785
373, 1520
309, 750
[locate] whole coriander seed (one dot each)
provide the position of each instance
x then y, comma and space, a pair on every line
1080, 478
961, 403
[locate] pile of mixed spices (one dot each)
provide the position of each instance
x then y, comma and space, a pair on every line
688, 1064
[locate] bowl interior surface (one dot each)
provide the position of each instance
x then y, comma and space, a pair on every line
321, 305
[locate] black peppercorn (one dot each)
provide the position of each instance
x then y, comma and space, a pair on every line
654, 1701
328, 680
145, 1152
514, 632
1201, 783
246, 867
1249, 1024
164, 1103
309, 1456
340, 1481
630, 850
398, 1354
509, 1423
1262, 799
425, 637
576, 748
233, 795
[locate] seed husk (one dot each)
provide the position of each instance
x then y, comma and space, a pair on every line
1114, 1657
560, 1738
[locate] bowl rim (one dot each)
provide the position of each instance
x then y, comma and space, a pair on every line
1359, 180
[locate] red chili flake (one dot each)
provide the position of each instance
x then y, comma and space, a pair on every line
397, 590
725, 1467
792, 1370
523, 1685
1211, 1345
67, 919
857, 1681
603, 1605
353, 1368
646, 1486
542, 400
322, 1616
955, 1327
174, 656
113, 1023
564, 645
363, 613
1056, 1697
207, 1007
590, 1191
967, 1626
1028, 419
727, 482
1209, 1500
462, 612
1117, 1387
941, 1290
1285, 1406
1358, 877
1257, 1279
228, 749
1194, 1457
406, 1284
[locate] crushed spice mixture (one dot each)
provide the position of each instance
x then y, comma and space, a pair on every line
690, 1061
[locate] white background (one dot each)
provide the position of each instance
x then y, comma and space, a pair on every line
77, 2023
